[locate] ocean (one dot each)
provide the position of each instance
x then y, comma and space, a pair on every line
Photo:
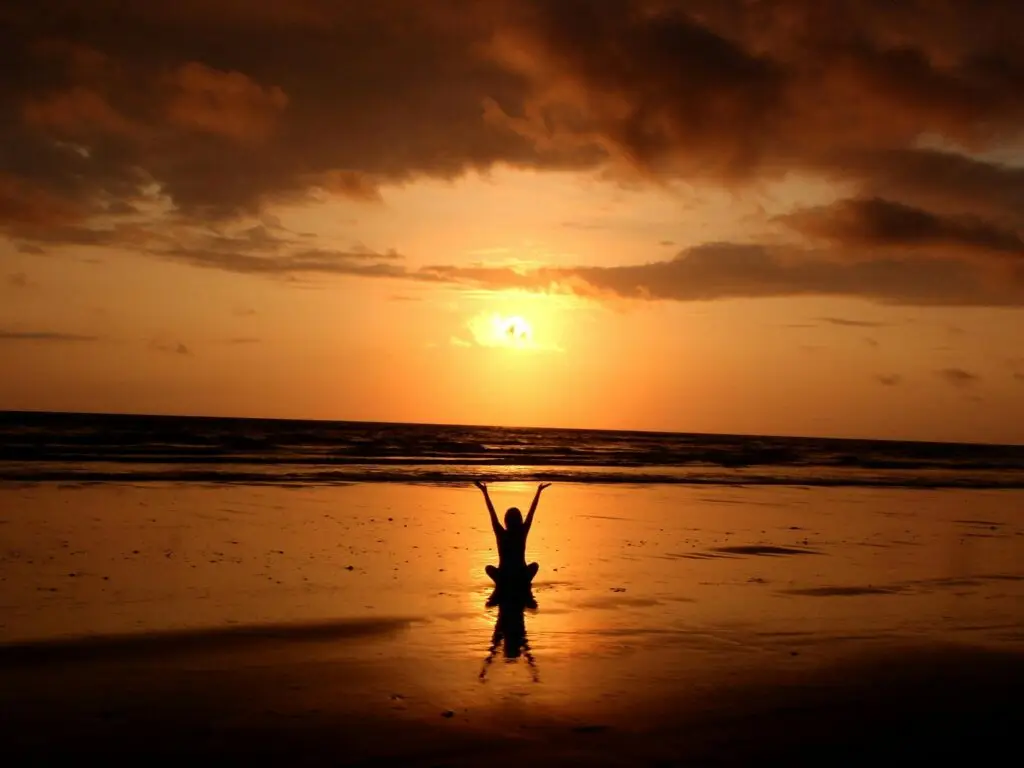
38, 447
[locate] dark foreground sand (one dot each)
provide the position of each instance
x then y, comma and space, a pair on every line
288, 697
348, 626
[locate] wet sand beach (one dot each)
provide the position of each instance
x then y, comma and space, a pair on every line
348, 625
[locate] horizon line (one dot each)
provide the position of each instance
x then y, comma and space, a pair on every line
22, 411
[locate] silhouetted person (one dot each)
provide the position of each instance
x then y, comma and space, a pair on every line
512, 571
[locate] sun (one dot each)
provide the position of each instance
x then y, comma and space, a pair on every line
511, 331
496, 330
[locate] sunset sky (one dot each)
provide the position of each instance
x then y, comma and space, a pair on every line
789, 217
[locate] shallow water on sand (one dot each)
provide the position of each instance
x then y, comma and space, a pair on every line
616, 562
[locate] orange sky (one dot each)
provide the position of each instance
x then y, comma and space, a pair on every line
715, 217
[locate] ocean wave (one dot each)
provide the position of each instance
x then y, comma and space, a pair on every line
22, 474
61, 447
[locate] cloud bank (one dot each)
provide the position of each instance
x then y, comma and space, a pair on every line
220, 110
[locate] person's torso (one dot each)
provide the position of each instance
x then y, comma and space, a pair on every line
512, 548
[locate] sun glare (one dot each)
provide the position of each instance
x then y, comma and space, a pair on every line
500, 331
512, 332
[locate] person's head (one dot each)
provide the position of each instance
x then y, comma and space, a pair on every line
513, 519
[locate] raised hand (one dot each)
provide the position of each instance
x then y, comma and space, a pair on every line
498, 530
533, 506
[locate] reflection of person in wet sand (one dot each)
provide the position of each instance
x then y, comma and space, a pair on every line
510, 636
512, 572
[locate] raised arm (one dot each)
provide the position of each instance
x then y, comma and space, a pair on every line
490, 508
533, 506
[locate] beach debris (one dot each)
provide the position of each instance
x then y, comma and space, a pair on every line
448, 713
350, 567
618, 589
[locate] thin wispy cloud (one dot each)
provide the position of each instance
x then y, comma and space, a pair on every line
18, 280
586, 225
45, 336
958, 377
170, 347
850, 322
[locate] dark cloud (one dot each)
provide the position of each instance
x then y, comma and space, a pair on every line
942, 181
874, 223
44, 336
889, 379
736, 90
731, 270
221, 109
227, 109
958, 377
